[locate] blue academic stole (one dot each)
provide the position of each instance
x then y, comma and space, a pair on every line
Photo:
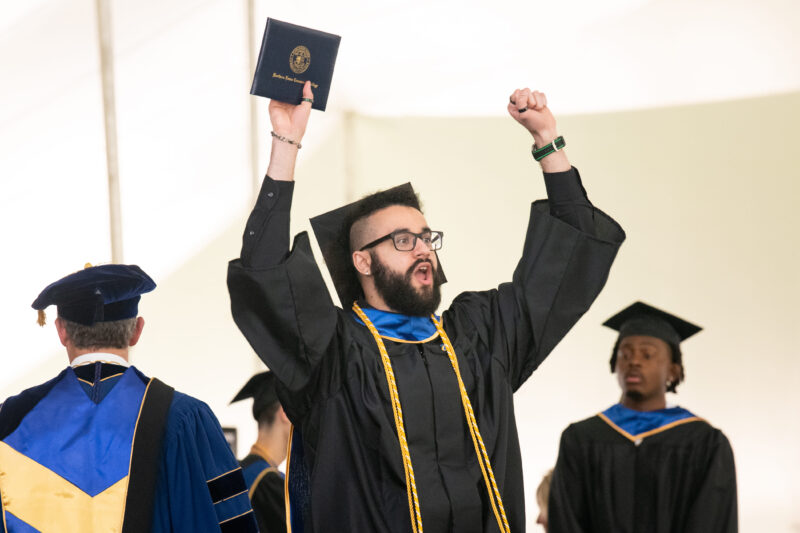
397, 327
636, 425
65, 467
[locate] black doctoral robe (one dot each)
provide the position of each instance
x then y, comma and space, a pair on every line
679, 480
332, 383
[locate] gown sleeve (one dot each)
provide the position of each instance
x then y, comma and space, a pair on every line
714, 510
566, 507
269, 504
568, 251
200, 487
279, 299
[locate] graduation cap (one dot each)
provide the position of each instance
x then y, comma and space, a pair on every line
261, 388
103, 293
642, 319
333, 235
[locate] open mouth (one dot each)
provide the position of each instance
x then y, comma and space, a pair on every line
424, 273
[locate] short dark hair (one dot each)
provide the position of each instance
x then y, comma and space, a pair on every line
115, 334
375, 202
266, 417
677, 358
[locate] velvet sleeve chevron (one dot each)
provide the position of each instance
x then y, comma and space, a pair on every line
201, 487
231, 502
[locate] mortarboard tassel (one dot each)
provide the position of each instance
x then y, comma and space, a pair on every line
42, 317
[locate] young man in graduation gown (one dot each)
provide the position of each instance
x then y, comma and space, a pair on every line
407, 417
102, 447
640, 466
265, 483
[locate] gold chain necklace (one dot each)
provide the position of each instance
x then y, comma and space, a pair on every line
477, 440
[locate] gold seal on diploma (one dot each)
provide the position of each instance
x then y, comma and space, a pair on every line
299, 59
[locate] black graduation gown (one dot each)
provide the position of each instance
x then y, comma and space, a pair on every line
266, 490
332, 383
680, 480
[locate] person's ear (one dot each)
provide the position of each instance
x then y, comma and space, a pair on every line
62, 331
675, 373
362, 261
137, 332
673, 376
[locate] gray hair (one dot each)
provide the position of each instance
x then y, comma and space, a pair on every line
115, 334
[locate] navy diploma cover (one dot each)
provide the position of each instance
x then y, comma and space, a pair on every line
291, 55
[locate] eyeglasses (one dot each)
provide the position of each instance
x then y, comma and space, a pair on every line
405, 241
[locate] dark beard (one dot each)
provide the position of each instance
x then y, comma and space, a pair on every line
398, 293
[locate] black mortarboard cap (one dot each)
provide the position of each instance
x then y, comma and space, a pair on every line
642, 319
102, 293
261, 388
334, 242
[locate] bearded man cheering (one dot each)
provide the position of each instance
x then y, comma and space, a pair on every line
404, 419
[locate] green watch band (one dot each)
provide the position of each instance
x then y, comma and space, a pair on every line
540, 153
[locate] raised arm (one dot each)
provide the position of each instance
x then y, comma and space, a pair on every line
568, 251
266, 237
565, 192
288, 128
529, 108
278, 297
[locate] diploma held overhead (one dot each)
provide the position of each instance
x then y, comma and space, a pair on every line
291, 55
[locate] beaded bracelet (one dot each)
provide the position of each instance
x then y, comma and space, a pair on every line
286, 139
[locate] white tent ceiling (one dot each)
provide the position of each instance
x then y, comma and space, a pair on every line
182, 77
448, 57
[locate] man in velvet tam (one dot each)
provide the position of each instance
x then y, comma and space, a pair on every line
404, 418
102, 447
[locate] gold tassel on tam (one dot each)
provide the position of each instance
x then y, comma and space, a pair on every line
87, 265
42, 317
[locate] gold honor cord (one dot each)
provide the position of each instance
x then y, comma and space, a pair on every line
286, 500
411, 485
477, 441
